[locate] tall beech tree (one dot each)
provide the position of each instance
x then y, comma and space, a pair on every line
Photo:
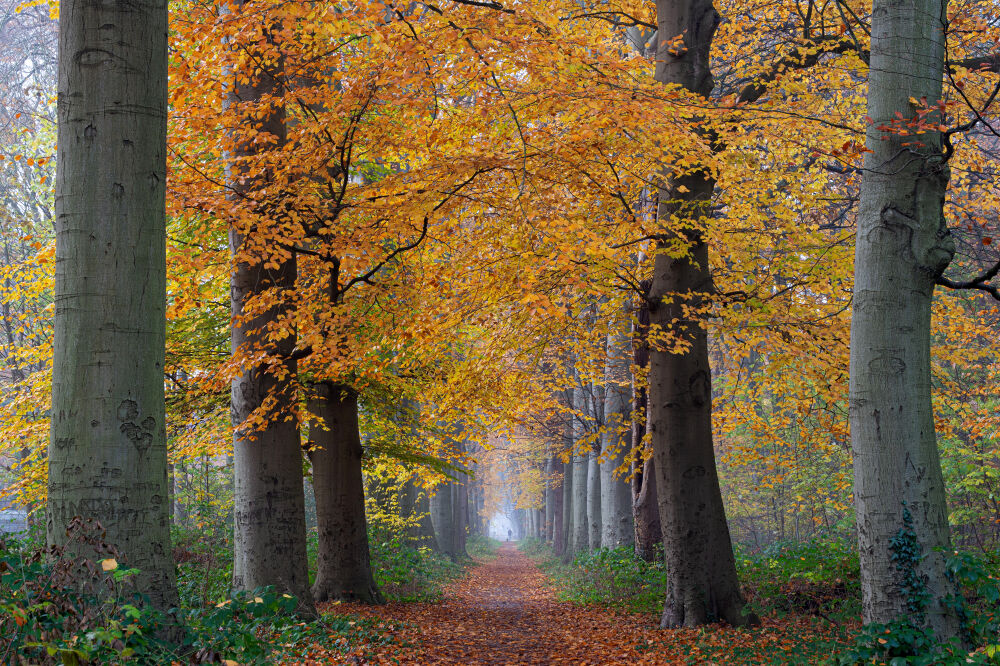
645, 507
107, 453
579, 538
343, 566
703, 585
617, 527
269, 502
903, 246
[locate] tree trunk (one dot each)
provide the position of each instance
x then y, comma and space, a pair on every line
567, 494
558, 495
425, 528
645, 507
580, 538
444, 515
343, 562
703, 586
903, 246
107, 452
594, 496
550, 494
461, 504
616, 497
269, 546
646, 512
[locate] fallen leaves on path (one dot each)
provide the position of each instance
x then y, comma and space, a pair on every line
505, 612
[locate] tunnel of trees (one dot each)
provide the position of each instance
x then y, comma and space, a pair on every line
307, 306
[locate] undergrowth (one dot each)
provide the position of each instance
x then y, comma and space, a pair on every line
482, 548
405, 571
60, 608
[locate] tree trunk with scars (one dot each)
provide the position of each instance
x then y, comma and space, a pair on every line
107, 453
903, 246
268, 502
703, 586
343, 561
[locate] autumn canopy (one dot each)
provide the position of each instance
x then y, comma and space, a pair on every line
306, 302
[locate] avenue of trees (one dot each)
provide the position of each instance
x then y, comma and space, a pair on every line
666, 276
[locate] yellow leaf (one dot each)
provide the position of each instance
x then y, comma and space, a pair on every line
109, 564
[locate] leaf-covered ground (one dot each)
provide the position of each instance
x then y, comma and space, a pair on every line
505, 612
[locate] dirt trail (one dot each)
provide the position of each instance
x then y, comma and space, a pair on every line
505, 613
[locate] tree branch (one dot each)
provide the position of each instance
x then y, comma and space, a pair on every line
980, 283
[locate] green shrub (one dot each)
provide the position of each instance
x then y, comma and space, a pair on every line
482, 547
56, 608
204, 567
609, 577
408, 572
819, 576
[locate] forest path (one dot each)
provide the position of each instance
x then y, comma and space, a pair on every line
504, 612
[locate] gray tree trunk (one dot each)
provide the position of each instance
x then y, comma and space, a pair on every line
343, 562
617, 527
441, 517
269, 546
107, 453
566, 540
558, 493
461, 508
425, 530
645, 507
594, 497
580, 540
703, 586
903, 245
550, 494
446, 518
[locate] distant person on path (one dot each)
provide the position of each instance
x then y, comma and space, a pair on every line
510, 533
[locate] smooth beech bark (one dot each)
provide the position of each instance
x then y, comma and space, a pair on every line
269, 505
558, 495
566, 535
594, 496
645, 508
446, 515
107, 452
580, 537
549, 496
616, 497
343, 561
903, 246
703, 586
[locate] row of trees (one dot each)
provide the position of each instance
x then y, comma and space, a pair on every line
554, 220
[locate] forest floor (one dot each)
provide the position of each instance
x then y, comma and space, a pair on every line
506, 612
